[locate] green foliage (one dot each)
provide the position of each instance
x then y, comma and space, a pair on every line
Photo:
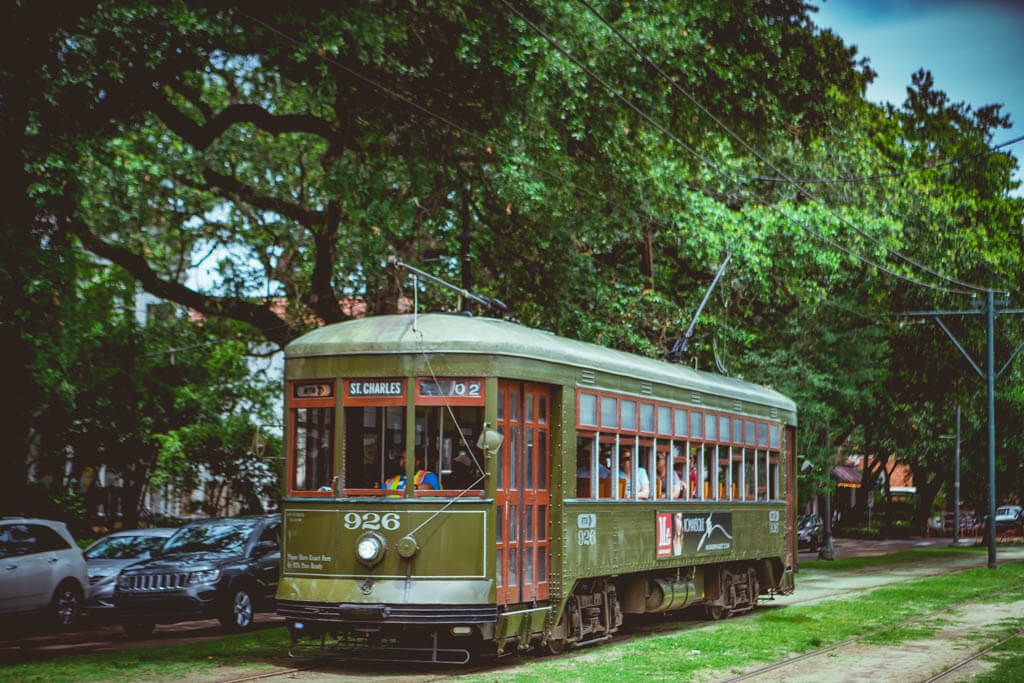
292, 150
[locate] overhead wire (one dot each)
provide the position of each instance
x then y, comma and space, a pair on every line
452, 124
806, 192
715, 167
994, 149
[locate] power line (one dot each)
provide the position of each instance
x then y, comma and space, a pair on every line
807, 193
895, 174
724, 173
452, 124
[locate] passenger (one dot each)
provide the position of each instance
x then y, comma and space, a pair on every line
677, 485
693, 482
422, 480
465, 471
583, 465
643, 484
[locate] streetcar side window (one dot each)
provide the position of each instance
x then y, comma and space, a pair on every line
662, 450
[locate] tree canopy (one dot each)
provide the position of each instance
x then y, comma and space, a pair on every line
588, 165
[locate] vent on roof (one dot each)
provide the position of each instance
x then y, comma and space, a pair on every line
737, 406
587, 377
695, 397
775, 413
646, 389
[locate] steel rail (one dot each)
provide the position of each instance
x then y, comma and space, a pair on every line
856, 639
976, 655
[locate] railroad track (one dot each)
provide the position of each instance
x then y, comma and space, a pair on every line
654, 624
790, 661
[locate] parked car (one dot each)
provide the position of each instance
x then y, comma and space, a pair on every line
109, 555
223, 568
1010, 519
42, 572
809, 531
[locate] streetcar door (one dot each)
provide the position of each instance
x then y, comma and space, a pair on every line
524, 419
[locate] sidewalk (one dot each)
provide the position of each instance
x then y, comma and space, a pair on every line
855, 547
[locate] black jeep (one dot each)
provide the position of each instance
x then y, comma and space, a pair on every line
223, 568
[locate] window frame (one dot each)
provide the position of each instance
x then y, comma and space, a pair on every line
725, 452
294, 405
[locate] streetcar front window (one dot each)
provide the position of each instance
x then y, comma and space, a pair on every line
312, 432
374, 447
446, 439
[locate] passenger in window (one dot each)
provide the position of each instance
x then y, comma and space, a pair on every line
465, 471
643, 484
677, 486
422, 480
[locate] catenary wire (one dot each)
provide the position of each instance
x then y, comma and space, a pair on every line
994, 149
807, 193
455, 126
722, 172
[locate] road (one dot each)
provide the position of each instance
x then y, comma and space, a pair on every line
93, 638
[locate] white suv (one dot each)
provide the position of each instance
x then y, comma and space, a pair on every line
42, 570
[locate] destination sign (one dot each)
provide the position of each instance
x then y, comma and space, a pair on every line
375, 388
453, 388
313, 390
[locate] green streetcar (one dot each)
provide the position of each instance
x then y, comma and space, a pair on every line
555, 486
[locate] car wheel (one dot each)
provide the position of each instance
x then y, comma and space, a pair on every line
138, 629
66, 605
240, 610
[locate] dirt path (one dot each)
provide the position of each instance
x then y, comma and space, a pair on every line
862, 663
960, 634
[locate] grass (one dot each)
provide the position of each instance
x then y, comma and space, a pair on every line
261, 650
691, 653
772, 634
902, 557
1008, 657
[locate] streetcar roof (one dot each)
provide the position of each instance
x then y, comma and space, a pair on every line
449, 333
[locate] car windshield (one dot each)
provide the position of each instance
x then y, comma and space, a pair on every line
804, 521
124, 547
220, 537
1006, 511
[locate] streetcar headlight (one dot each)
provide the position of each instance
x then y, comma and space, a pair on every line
370, 549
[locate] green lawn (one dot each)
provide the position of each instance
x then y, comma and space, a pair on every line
680, 655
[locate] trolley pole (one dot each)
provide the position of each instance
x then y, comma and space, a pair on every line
990, 376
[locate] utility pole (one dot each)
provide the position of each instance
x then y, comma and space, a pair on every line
990, 376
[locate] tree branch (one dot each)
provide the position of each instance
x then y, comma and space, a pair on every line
260, 316
202, 136
231, 188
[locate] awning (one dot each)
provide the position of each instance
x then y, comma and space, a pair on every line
846, 475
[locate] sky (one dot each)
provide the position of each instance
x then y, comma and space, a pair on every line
974, 49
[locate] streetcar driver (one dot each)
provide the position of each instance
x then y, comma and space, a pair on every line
422, 480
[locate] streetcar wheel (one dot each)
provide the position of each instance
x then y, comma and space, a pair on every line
240, 611
556, 646
717, 612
